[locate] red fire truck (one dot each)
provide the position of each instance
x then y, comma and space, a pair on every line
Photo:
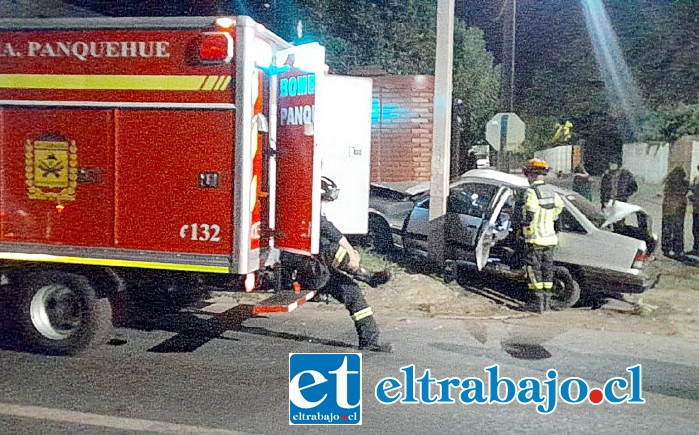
136, 152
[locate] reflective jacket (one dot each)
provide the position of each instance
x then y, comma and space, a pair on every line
541, 209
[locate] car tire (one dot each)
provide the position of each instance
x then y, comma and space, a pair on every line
379, 238
594, 301
566, 291
59, 314
467, 277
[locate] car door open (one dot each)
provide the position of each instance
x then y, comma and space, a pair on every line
467, 207
487, 229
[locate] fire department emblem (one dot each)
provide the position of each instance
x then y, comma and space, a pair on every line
51, 170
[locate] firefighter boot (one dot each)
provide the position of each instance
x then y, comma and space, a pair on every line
368, 332
536, 302
548, 295
450, 271
374, 279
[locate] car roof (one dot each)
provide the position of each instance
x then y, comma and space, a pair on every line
491, 174
497, 177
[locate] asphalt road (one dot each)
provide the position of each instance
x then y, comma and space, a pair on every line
193, 373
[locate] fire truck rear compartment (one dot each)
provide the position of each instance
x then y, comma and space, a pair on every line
137, 176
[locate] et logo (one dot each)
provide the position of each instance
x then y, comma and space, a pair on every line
325, 389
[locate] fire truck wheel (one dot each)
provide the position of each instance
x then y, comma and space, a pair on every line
566, 291
60, 314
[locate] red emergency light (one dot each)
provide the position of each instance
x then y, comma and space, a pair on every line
216, 47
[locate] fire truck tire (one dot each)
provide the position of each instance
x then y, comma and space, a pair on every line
566, 291
60, 314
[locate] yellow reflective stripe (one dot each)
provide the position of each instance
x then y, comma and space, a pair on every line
544, 224
532, 202
548, 285
112, 262
542, 230
544, 241
226, 82
531, 275
112, 82
361, 314
209, 83
217, 83
339, 256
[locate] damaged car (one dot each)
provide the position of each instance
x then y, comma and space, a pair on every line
598, 254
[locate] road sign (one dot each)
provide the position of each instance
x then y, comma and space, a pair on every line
505, 131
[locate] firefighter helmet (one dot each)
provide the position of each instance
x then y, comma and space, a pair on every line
536, 167
329, 190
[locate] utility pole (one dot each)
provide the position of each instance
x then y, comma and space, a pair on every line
441, 141
512, 58
509, 42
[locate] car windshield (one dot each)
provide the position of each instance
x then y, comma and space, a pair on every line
587, 208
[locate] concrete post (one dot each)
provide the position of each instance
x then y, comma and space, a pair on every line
439, 186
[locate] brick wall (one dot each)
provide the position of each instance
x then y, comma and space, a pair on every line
401, 134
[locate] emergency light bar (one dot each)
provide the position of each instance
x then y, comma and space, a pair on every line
225, 22
216, 48
306, 57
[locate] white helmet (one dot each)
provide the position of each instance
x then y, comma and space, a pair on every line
329, 190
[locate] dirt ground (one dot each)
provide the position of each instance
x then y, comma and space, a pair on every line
670, 309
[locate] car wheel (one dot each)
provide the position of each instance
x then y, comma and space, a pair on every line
467, 277
566, 291
379, 238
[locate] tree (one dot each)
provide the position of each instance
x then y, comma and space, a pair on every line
476, 80
671, 122
661, 40
400, 38
557, 72
558, 76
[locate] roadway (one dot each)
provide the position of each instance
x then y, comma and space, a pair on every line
202, 373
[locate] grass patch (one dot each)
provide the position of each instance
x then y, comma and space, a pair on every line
373, 261
686, 273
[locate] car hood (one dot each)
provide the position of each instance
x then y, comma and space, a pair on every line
619, 210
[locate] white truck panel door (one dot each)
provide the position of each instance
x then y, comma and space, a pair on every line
343, 130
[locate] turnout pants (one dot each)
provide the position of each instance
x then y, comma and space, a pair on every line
325, 273
347, 292
539, 262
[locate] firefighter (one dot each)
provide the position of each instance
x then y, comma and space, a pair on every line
332, 272
542, 205
330, 235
